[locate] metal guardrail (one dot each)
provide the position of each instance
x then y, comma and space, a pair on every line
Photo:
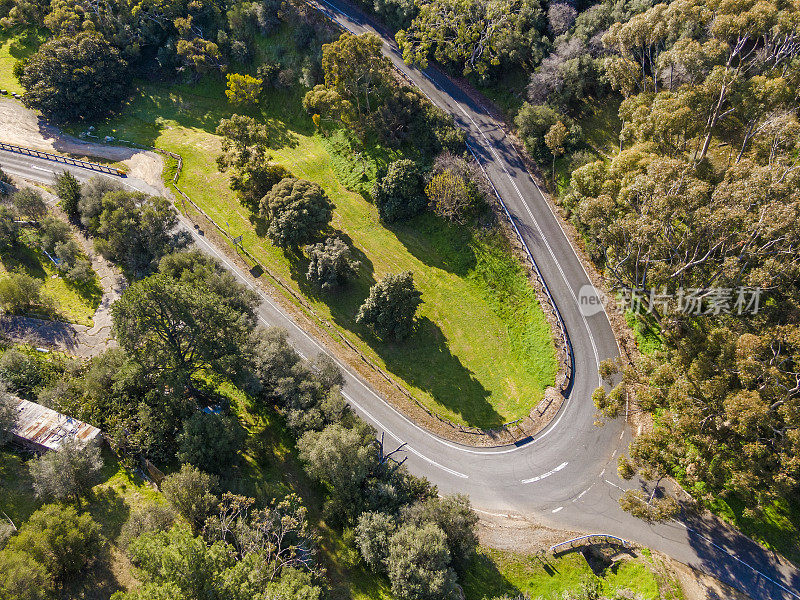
61, 159
594, 538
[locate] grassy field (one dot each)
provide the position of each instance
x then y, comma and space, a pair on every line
74, 303
15, 45
494, 573
482, 353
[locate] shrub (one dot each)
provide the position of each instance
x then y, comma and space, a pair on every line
22, 577
146, 519
399, 194
69, 472
59, 538
330, 264
190, 493
20, 293
210, 442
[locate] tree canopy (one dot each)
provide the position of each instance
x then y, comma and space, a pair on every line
75, 77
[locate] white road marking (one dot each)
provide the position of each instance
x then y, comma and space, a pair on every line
544, 475
581, 495
42, 169
555, 510
400, 441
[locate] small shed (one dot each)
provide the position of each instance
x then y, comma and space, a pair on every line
40, 429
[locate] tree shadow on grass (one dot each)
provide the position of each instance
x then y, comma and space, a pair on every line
24, 259
437, 243
482, 579
108, 508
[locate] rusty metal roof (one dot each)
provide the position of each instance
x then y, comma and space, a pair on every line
48, 429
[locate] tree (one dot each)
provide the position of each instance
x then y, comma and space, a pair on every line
373, 533
8, 416
69, 472
243, 89
178, 558
190, 493
330, 264
453, 196
554, 140
22, 577
210, 442
560, 17
9, 229
68, 190
75, 77
356, 69
419, 564
133, 229
29, 203
57, 537
178, 326
399, 194
342, 458
297, 211
20, 293
533, 122
245, 152
454, 516
475, 35
277, 536
391, 306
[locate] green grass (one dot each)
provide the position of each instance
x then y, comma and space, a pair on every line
494, 573
75, 303
482, 353
15, 44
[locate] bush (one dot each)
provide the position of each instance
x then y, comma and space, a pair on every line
373, 533
68, 473
399, 194
297, 211
9, 229
210, 442
22, 577
419, 564
190, 493
390, 307
59, 538
330, 264
20, 293
29, 203
146, 519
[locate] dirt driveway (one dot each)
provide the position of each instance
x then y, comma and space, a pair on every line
24, 127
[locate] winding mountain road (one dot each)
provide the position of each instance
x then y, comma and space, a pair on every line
566, 476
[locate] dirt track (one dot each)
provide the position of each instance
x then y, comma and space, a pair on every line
23, 127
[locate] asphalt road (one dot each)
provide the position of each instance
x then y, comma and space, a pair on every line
565, 477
